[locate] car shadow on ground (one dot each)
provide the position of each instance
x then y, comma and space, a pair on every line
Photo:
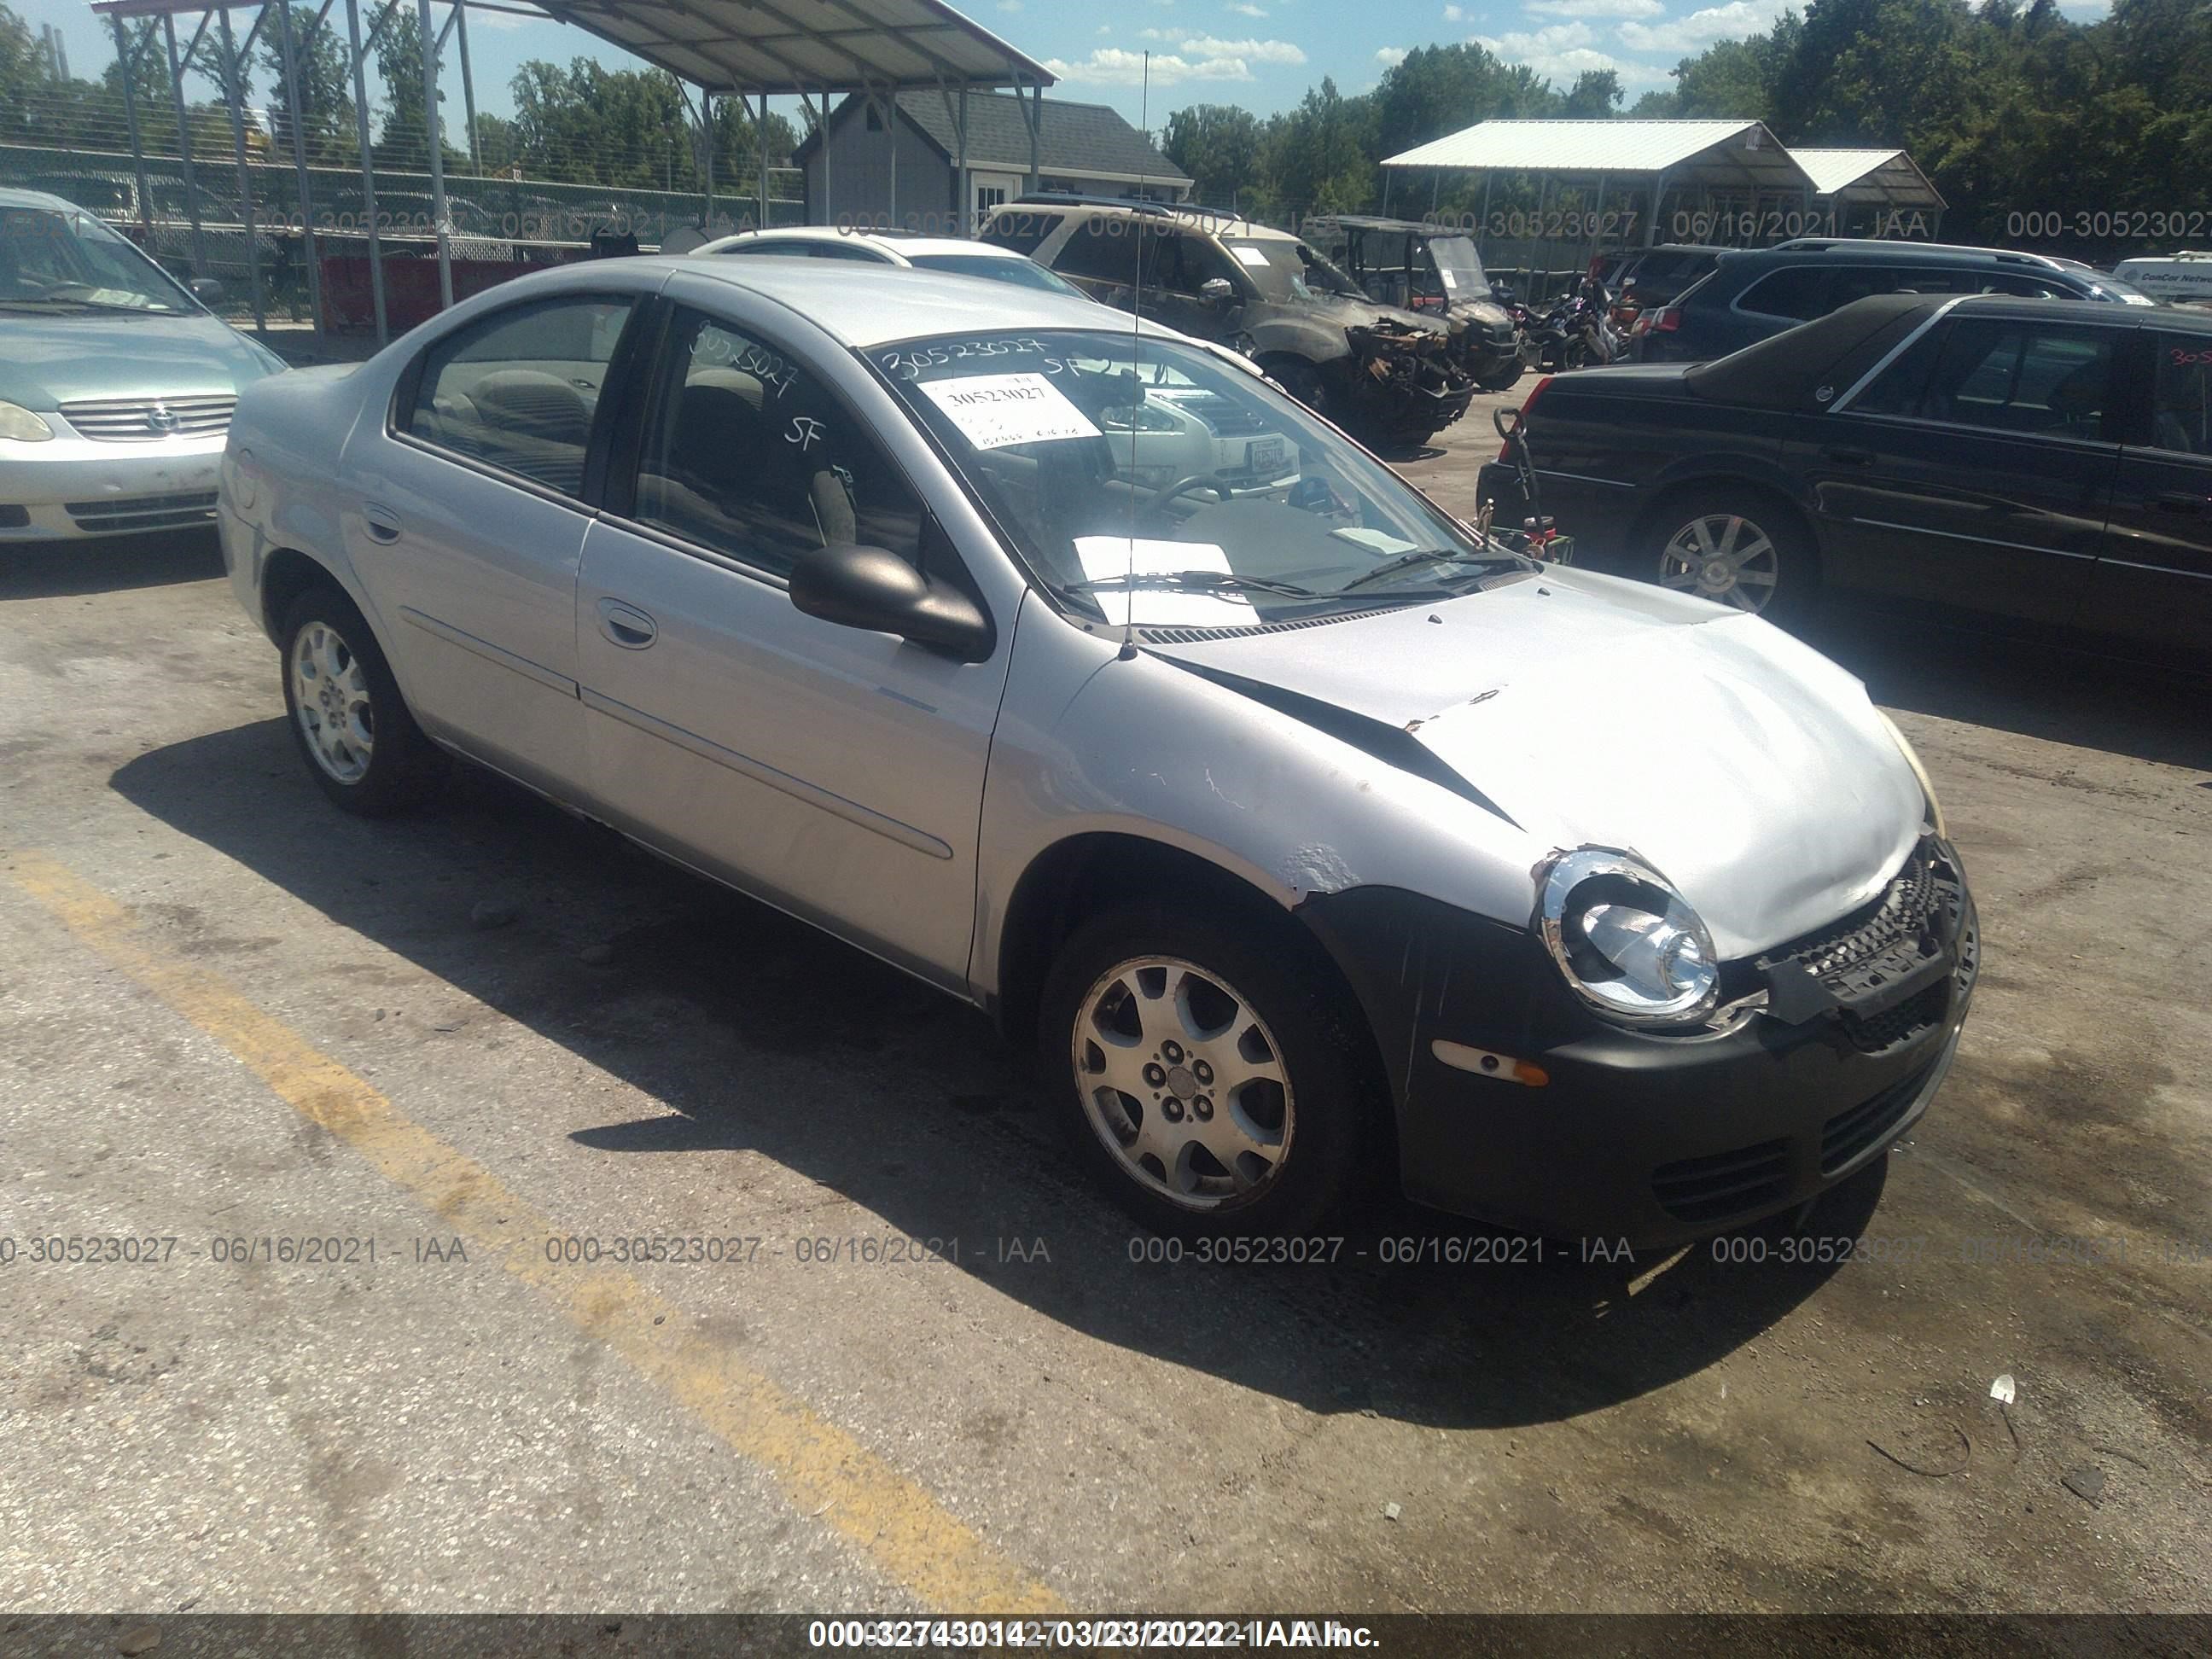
105, 564
754, 1031
2120, 704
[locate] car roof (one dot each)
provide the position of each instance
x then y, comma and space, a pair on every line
36, 198
1861, 248
1211, 221
859, 305
905, 244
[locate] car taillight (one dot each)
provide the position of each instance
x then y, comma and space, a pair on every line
1669, 319
1528, 408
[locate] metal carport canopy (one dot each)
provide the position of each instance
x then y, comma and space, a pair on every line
1723, 155
1888, 176
806, 46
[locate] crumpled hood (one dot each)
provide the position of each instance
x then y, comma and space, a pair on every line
1366, 313
1744, 767
47, 361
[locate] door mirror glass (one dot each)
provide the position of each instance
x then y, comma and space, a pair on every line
869, 587
1217, 290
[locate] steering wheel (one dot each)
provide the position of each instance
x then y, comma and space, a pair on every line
1167, 492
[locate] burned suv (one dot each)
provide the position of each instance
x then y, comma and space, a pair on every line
1434, 270
1391, 376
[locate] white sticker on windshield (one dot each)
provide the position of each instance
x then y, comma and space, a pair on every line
1451, 281
994, 411
1248, 255
1115, 558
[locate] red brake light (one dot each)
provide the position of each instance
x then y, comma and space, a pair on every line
1667, 321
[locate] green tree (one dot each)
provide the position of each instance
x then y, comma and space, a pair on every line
1221, 147
1595, 93
324, 116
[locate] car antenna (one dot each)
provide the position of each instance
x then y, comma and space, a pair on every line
1128, 652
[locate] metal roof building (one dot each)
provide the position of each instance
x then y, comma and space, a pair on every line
1888, 177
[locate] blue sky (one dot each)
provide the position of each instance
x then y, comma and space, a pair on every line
1262, 54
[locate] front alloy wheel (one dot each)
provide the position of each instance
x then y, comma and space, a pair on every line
1183, 1082
1724, 557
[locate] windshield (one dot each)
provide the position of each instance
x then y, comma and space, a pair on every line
1461, 267
1151, 482
1023, 273
62, 259
1285, 271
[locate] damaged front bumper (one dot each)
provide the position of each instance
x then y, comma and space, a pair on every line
1832, 1048
1407, 383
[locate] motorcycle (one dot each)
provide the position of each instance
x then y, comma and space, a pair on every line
1579, 330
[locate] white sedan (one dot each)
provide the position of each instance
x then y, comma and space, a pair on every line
949, 255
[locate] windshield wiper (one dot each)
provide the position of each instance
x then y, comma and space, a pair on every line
1428, 556
1198, 581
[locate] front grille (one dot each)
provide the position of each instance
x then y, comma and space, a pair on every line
1874, 964
143, 512
1713, 1188
1847, 1134
147, 419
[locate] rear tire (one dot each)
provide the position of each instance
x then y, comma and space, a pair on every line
360, 745
1209, 1078
1737, 547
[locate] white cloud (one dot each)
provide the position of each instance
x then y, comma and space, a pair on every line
1256, 51
1104, 28
1454, 15
1390, 57
1701, 28
1560, 51
1010, 5
1248, 8
502, 20
1112, 66
1594, 8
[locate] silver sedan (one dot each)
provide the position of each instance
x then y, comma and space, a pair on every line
1079, 673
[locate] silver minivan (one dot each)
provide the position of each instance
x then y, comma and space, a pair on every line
1296, 823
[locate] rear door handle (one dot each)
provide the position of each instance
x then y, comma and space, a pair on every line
626, 625
382, 522
2180, 500
1849, 457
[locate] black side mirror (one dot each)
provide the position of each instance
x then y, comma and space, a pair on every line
857, 586
206, 290
1217, 290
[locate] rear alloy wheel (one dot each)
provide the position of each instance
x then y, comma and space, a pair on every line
1740, 553
361, 744
1215, 1084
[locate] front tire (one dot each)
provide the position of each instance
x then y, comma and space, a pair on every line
1213, 1080
360, 745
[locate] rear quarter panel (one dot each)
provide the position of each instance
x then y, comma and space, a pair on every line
282, 479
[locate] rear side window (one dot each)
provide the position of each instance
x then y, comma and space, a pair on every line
1021, 229
1852, 283
1103, 250
1797, 293
518, 389
2181, 393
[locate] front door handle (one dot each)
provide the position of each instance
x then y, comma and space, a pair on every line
1849, 457
2180, 500
382, 523
626, 625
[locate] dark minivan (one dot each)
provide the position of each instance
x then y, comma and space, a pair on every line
1755, 294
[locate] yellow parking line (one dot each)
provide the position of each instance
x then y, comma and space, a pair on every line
821, 1469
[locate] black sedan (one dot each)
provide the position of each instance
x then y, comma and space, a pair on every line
2045, 465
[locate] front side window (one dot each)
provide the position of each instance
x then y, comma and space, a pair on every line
1151, 481
2181, 393
63, 260
745, 454
2001, 375
519, 390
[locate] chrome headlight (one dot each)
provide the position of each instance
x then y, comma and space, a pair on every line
22, 425
1629, 944
1912, 760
